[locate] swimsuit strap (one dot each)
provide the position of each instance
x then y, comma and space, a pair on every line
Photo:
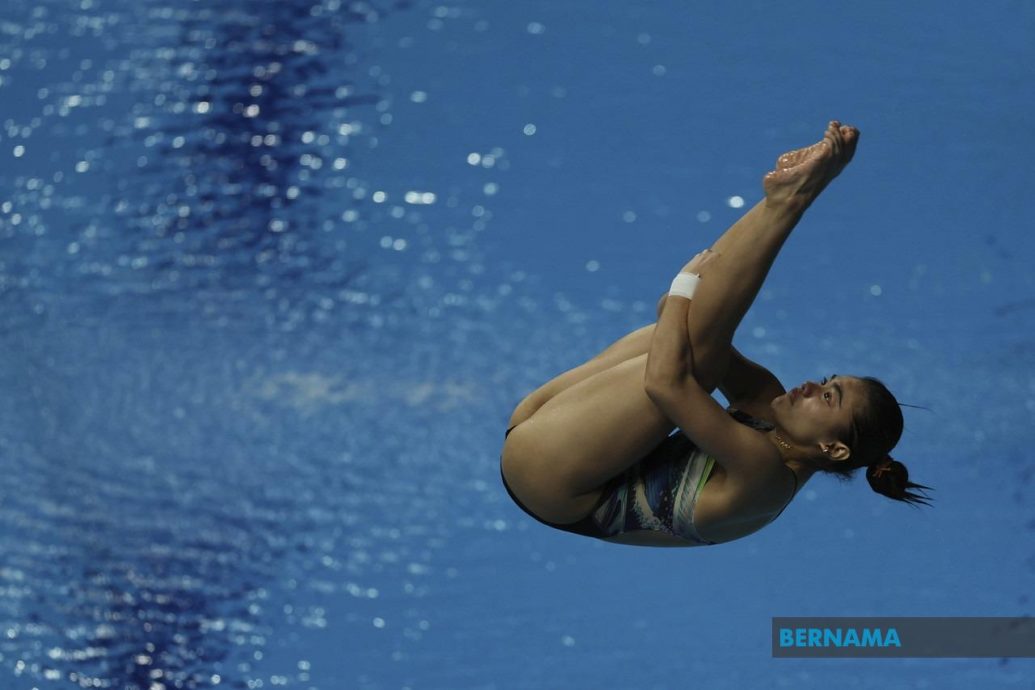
754, 422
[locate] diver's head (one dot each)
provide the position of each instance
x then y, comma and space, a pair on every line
843, 423
821, 416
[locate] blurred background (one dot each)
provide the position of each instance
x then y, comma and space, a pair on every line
273, 276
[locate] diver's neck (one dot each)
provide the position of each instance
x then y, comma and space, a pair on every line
802, 471
792, 455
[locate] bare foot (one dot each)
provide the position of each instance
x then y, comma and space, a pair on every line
802, 174
792, 158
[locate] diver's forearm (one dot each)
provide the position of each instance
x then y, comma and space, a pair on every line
669, 360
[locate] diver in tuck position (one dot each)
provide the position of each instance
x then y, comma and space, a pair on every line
592, 451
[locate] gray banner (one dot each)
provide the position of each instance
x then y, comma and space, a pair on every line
903, 637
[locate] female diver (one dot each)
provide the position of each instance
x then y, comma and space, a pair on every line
592, 451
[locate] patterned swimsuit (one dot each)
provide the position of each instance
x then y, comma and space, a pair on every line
656, 494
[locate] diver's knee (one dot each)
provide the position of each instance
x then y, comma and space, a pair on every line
527, 407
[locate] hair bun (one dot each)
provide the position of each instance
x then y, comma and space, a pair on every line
890, 478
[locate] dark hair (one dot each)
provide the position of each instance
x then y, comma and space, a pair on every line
876, 428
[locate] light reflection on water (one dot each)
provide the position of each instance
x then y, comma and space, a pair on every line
219, 346
158, 491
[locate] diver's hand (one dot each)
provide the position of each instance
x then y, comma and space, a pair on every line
696, 265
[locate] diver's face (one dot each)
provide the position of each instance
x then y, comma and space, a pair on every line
819, 413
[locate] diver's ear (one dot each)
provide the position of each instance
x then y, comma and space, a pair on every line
836, 450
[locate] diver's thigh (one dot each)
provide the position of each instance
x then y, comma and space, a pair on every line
582, 438
630, 345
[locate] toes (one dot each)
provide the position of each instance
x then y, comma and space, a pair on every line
833, 135
838, 139
851, 137
829, 143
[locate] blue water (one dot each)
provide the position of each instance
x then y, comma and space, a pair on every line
274, 275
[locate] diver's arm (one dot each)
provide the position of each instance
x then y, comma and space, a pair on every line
745, 382
669, 382
668, 360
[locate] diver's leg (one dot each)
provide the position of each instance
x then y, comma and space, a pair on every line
748, 249
746, 253
628, 346
557, 460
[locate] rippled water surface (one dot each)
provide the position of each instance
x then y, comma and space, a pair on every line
274, 274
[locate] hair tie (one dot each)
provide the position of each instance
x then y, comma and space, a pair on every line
878, 470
